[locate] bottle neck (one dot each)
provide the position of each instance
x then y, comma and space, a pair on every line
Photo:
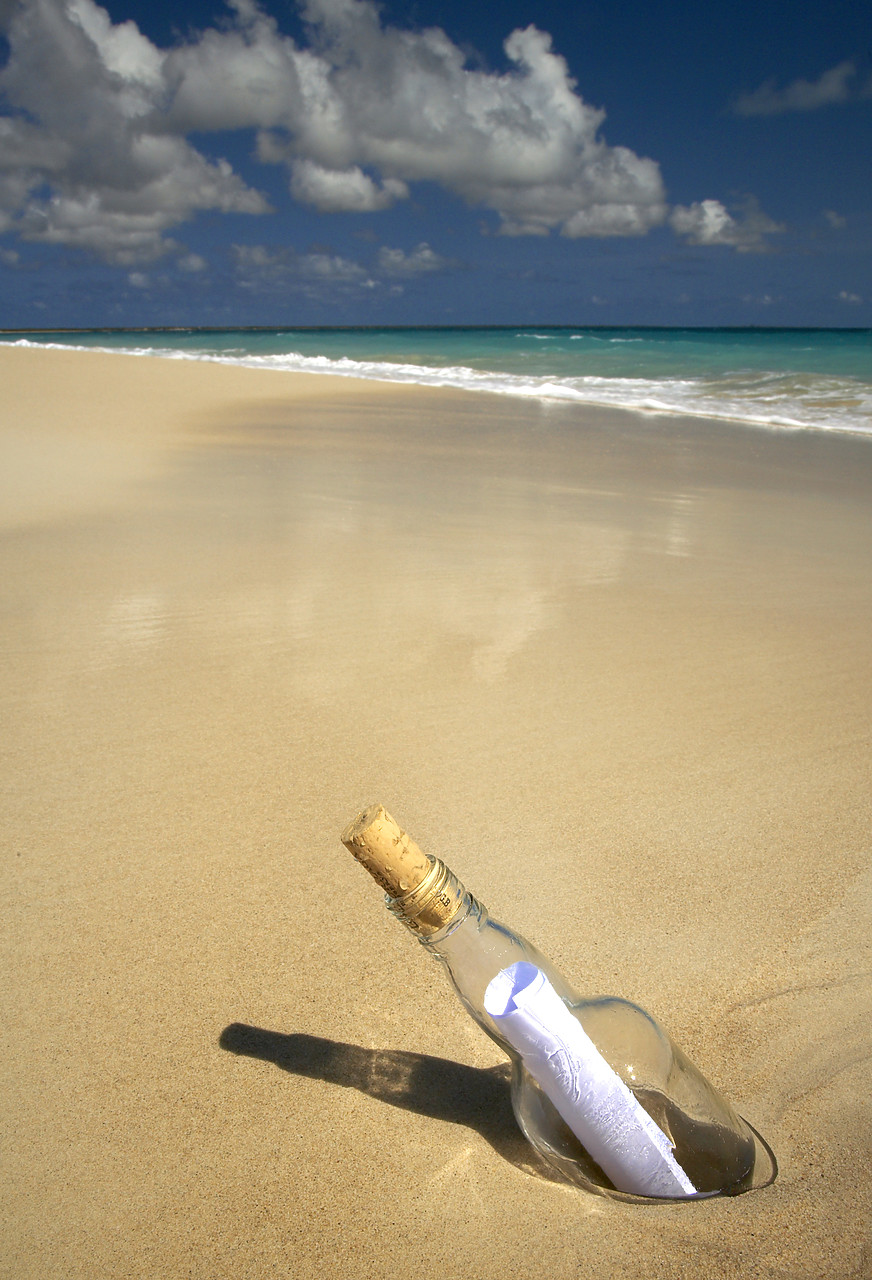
473, 949
436, 906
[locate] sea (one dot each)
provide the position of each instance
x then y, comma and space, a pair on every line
777, 379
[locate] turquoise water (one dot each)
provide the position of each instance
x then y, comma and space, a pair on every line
778, 378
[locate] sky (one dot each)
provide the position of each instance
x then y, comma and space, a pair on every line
343, 162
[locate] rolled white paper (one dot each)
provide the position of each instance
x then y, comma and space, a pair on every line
605, 1116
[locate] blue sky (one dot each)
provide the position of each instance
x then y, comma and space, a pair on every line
420, 162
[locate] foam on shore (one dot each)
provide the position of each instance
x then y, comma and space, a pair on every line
787, 400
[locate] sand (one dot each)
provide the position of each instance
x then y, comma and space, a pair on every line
614, 669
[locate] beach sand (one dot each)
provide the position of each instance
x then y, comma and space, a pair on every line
614, 669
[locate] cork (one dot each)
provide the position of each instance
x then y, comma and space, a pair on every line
390, 856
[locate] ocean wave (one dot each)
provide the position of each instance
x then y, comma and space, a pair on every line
786, 401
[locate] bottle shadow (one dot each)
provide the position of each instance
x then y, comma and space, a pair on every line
477, 1097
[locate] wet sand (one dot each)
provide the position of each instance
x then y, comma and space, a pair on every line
615, 670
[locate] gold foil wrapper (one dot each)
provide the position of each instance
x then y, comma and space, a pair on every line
432, 904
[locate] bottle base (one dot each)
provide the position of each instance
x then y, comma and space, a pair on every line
755, 1166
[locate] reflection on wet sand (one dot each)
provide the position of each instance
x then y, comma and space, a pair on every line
486, 565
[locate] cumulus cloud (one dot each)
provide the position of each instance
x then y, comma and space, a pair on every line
800, 95
192, 263
405, 105
251, 259
282, 269
421, 261
708, 222
237, 77
343, 190
847, 296
94, 148
320, 273
86, 127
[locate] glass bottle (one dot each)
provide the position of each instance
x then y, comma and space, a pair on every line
719, 1153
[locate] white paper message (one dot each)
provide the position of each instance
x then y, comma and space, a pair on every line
602, 1112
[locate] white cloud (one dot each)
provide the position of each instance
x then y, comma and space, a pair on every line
343, 190
846, 296
138, 279
86, 122
101, 116
421, 261
836, 220
239, 77
708, 222
405, 105
800, 95
123, 50
282, 264
328, 266
95, 151
282, 268
192, 263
